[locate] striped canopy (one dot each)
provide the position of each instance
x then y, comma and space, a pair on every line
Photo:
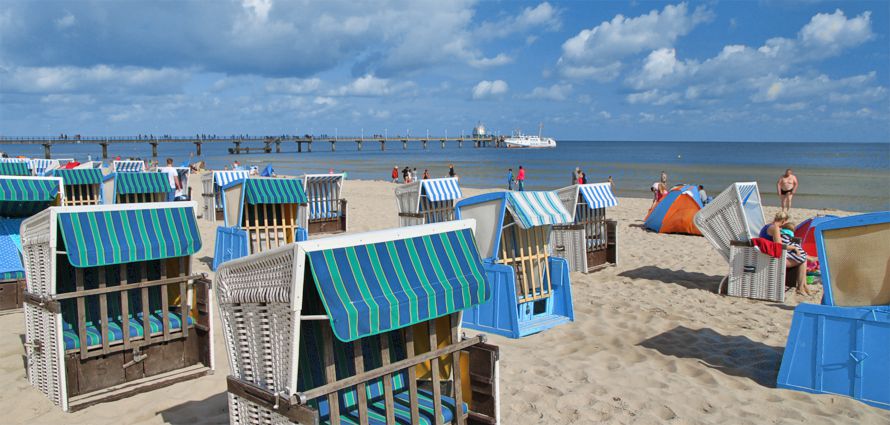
274, 191
26, 197
14, 169
25, 160
128, 166
223, 178
78, 176
118, 236
127, 183
322, 178
531, 209
441, 189
375, 288
598, 195
323, 192
40, 167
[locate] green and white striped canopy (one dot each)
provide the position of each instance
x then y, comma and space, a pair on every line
128, 183
79, 176
374, 288
531, 209
274, 191
23, 197
117, 236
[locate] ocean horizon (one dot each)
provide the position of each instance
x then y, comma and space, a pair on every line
847, 176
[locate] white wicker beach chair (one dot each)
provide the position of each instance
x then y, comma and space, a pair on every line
729, 222
111, 305
213, 182
590, 242
427, 201
327, 207
340, 329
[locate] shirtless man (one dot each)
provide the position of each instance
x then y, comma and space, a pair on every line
786, 187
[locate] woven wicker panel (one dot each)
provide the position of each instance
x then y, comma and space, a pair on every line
721, 221
569, 244
753, 274
859, 271
44, 365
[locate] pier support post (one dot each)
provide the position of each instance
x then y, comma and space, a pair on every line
443, 143
460, 143
197, 148
278, 146
383, 145
46, 151
154, 149
299, 146
333, 146
267, 146
237, 147
104, 150
424, 144
359, 144
309, 146
404, 145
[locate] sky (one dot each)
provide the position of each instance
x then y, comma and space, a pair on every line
803, 71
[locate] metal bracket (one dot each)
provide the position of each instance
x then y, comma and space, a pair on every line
138, 356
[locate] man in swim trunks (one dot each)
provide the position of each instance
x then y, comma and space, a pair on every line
786, 187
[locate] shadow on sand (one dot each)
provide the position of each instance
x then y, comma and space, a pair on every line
690, 280
211, 410
732, 355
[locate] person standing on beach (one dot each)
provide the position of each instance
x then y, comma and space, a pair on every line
426, 174
520, 179
611, 184
576, 175
664, 178
509, 179
395, 173
786, 187
451, 172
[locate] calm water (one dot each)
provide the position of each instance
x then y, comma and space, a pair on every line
849, 176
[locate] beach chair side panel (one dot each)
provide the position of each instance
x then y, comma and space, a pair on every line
210, 198
753, 274
568, 242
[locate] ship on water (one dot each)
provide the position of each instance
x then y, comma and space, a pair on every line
519, 140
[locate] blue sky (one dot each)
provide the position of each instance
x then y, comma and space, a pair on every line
745, 71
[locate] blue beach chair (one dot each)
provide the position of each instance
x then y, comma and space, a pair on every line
843, 346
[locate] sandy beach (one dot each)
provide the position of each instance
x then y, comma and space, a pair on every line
652, 343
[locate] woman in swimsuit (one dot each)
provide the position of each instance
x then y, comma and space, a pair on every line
796, 255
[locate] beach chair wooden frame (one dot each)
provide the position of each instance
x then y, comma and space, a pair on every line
327, 207
840, 347
729, 222
14, 206
427, 201
136, 188
109, 316
293, 361
213, 182
590, 242
532, 291
252, 226
83, 186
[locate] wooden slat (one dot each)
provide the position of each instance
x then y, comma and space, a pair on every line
146, 309
359, 361
414, 403
165, 302
125, 306
184, 306
330, 373
456, 387
266, 225
434, 371
81, 312
388, 399
103, 311
521, 244
129, 286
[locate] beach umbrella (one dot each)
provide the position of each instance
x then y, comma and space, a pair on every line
807, 236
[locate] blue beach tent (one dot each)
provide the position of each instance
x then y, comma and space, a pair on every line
843, 346
675, 212
531, 291
259, 214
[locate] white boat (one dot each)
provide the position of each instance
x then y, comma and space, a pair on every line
519, 140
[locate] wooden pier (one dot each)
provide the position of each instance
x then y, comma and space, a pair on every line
265, 144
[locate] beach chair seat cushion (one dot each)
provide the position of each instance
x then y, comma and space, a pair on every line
116, 328
377, 410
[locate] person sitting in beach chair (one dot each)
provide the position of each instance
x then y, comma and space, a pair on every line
314, 337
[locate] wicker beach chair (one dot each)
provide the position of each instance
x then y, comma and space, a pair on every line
590, 241
327, 207
260, 214
841, 347
83, 186
213, 183
128, 166
136, 188
41, 167
729, 223
531, 291
359, 329
20, 197
427, 201
112, 307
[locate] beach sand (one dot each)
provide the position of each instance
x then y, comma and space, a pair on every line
651, 343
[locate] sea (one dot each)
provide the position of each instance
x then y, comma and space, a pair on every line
845, 176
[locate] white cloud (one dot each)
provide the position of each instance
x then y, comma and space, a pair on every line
556, 92
293, 85
603, 46
543, 16
66, 21
99, 78
490, 89
500, 59
371, 86
325, 101
834, 32
858, 88
654, 97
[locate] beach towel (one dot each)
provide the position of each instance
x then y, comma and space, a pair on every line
768, 247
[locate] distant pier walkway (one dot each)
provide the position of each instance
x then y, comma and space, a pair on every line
265, 144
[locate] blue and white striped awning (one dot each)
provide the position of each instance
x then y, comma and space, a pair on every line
532, 209
14, 160
321, 178
40, 167
598, 195
223, 178
128, 166
444, 189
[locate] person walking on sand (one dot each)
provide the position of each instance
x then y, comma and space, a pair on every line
786, 187
395, 173
509, 179
520, 179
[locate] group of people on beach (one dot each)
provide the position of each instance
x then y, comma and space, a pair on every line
518, 180
409, 174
